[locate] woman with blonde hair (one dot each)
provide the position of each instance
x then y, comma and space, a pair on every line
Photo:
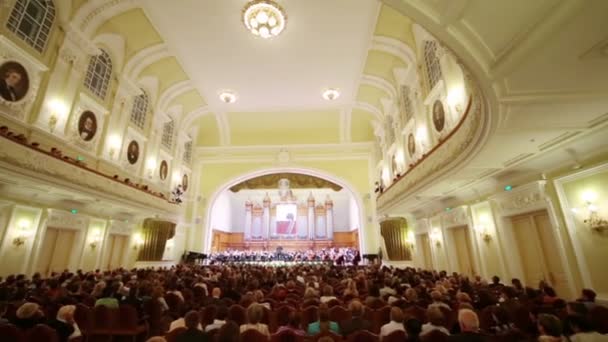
255, 313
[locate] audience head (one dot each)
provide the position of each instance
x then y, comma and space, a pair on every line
221, 313
549, 325
495, 280
549, 291
216, 292
411, 295
255, 313
463, 297
229, 332
192, 320
578, 323
468, 320
413, 327
356, 308
328, 291
435, 316
66, 313
436, 296
576, 308
588, 295
156, 339
396, 314
29, 311
294, 319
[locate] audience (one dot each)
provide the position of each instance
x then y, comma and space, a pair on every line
260, 289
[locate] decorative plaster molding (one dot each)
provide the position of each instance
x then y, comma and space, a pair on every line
380, 83
64, 220
9, 51
394, 47
455, 218
522, 199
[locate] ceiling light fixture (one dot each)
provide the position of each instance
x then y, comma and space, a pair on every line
264, 18
227, 96
331, 94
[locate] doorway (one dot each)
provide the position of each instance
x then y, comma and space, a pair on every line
55, 250
464, 250
116, 250
538, 251
425, 244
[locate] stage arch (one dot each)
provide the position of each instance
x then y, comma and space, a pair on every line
356, 196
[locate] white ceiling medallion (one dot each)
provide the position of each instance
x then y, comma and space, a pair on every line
331, 94
227, 96
264, 18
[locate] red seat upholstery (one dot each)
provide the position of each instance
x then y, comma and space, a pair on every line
395, 336
599, 318
362, 336
309, 315
42, 332
286, 336
172, 335
103, 320
339, 314
11, 333
331, 334
282, 317
127, 324
252, 335
434, 336
238, 314
153, 312
84, 318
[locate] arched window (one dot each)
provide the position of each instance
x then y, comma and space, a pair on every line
167, 138
433, 68
187, 157
140, 108
31, 20
97, 79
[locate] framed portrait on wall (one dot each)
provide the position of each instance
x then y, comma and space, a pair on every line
185, 182
164, 170
133, 152
411, 144
14, 81
87, 125
438, 116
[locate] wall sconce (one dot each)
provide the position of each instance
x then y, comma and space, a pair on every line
436, 237
169, 245
482, 228
410, 240
23, 232
58, 110
456, 98
138, 241
151, 166
593, 220
95, 238
114, 142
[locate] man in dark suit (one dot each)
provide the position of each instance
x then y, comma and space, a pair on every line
469, 328
192, 333
357, 322
8, 84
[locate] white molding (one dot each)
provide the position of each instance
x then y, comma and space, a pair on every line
165, 98
375, 111
394, 47
380, 83
144, 58
115, 44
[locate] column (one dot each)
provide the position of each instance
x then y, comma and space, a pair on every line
329, 217
248, 208
311, 216
266, 218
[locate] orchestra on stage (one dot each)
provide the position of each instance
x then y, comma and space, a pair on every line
337, 256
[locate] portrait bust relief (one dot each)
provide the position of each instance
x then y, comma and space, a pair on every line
438, 116
87, 125
164, 170
411, 144
14, 81
133, 152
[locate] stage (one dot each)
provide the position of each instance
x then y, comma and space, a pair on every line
235, 241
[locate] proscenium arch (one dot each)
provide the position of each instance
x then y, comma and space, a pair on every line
267, 171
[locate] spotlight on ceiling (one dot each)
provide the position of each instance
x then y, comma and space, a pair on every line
331, 94
227, 96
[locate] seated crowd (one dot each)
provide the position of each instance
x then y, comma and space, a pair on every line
303, 302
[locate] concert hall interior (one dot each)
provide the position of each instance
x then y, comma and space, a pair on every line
466, 136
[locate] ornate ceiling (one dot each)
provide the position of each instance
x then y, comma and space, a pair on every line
296, 180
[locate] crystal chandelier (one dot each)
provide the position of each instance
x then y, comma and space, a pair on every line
264, 18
